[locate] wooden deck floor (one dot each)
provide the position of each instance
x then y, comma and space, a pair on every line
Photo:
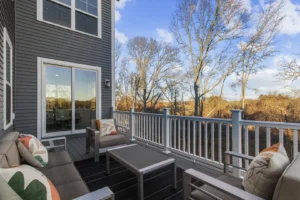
122, 182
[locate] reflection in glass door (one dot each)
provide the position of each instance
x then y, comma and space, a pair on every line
85, 98
58, 88
70, 99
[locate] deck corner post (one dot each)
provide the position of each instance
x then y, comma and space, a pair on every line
131, 121
236, 140
166, 136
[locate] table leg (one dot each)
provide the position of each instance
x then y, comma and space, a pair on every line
175, 176
141, 187
107, 164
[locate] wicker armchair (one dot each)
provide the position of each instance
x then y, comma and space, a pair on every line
101, 143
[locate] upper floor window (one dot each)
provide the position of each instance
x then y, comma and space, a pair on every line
7, 81
78, 15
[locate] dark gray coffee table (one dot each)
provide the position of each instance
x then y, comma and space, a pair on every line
140, 161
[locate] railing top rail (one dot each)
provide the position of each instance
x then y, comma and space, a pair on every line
122, 112
205, 119
149, 114
271, 124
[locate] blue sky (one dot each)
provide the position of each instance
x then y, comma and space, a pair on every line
151, 18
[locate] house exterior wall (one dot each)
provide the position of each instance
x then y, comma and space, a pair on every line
39, 39
7, 20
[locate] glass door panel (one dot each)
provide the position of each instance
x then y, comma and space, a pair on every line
58, 94
85, 97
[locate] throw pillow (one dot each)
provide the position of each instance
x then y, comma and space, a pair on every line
107, 126
98, 125
29, 183
265, 170
32, 150
114, 133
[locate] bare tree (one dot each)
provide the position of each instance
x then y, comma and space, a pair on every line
290, 70
257, 44
205, 30
174, 88
118, 52
153, 61
124, 86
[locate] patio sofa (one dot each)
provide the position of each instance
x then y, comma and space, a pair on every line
227, 187
60, 169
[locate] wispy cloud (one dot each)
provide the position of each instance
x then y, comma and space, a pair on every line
121, 37
291, 23
119, 6
164, 35
117, 16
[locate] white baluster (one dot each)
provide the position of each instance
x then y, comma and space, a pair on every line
246, 145
189, 136
268, 137
256, 140
205, 140
220, 142
212, 130
178, 132
227, 138
295, 143
194, 138
200, 139
183, 132
281, 136
174, 133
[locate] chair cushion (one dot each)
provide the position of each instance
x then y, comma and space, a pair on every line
225, 178
264, 171
289, 182
112, 140
32, 150
72, 190
9, 136
62, 174
3, 162
10, 151
29, 183
58, 158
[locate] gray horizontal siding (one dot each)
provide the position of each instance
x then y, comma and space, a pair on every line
39, 39
7, 20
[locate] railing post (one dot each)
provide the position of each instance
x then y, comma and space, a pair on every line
166, 131
131, 121
236, 140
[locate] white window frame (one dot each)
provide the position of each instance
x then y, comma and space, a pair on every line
41, 105
40, 14
6, 40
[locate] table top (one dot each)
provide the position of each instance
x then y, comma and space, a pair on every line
140, 158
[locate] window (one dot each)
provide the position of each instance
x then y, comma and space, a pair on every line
8, 81
79, 15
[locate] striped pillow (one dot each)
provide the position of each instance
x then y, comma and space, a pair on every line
32, 150
29, 183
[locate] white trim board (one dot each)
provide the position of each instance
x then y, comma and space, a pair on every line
113, 89
40, 94
40, 14
6, 40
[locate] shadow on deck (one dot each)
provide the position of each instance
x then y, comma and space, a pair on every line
157, 184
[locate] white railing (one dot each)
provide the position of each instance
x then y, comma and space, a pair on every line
122, 118
206, 139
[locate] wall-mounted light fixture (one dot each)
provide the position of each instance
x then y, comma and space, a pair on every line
107, 83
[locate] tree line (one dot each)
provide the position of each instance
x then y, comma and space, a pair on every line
214, 39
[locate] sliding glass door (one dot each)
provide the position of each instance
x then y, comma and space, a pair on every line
70, 97
85, 98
